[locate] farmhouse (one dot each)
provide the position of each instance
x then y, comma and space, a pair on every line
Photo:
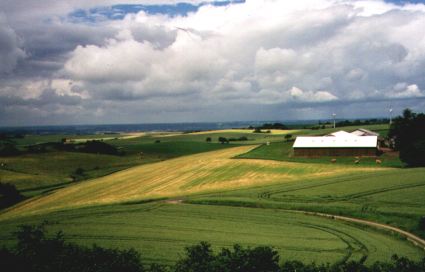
339, 143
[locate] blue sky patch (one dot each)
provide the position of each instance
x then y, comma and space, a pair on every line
117, 12
401, 2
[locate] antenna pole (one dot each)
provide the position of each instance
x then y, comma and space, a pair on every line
333, 115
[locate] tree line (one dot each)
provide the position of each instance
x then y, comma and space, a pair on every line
8, 148
36, 251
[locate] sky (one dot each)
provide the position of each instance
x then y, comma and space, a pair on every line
141, 61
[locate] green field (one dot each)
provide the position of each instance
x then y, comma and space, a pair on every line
282, 151
184, 190
160, 232
34, 174
392, 197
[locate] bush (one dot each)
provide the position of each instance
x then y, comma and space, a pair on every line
8, 149
9, 195
36, 252
98, 147
223, 140
243, 138
200, 258
208, 139
422, 223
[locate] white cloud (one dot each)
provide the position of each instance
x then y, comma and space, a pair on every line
311, 96
263, 52
402, 90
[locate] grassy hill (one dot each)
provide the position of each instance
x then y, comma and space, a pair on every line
200, 173
160, 231
222, 193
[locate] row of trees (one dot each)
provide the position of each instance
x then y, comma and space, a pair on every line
94, 146
36, 251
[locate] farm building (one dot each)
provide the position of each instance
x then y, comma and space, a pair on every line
364, 132
339, 143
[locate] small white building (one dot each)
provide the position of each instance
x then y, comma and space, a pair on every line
340, 143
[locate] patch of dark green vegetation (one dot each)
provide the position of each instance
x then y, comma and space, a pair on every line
8, 145
94, 147
348, 123
36, 250
408, 132
9, 195
270, 126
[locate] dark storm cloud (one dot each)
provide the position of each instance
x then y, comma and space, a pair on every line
10, 47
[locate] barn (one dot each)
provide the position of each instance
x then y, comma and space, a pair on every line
339, 143
364, 132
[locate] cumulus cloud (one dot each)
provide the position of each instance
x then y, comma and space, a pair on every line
10, 50
297, 57
402, 90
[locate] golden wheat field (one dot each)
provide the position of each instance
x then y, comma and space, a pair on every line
205, 172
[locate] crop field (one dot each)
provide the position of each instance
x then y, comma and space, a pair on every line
160, 231
36, 173
200, 173
182, 190
393, 196
282, 151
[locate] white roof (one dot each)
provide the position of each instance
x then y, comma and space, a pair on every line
364, 132
342, 133
336, 141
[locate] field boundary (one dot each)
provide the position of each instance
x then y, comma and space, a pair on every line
416, 240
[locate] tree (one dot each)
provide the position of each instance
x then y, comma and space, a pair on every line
223, 140
37, 251
9, 195
208, 139
199, 258
288, 137
408, 131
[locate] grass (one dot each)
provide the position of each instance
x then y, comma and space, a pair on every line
34, 174
200, 173
160, 231
248, 188
282, 151
393, 196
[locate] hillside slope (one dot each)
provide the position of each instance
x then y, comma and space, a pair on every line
205, 172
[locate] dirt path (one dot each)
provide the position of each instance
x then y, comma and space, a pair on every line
417, 241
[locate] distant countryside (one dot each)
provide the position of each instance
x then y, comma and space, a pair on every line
158, 193
212, 136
